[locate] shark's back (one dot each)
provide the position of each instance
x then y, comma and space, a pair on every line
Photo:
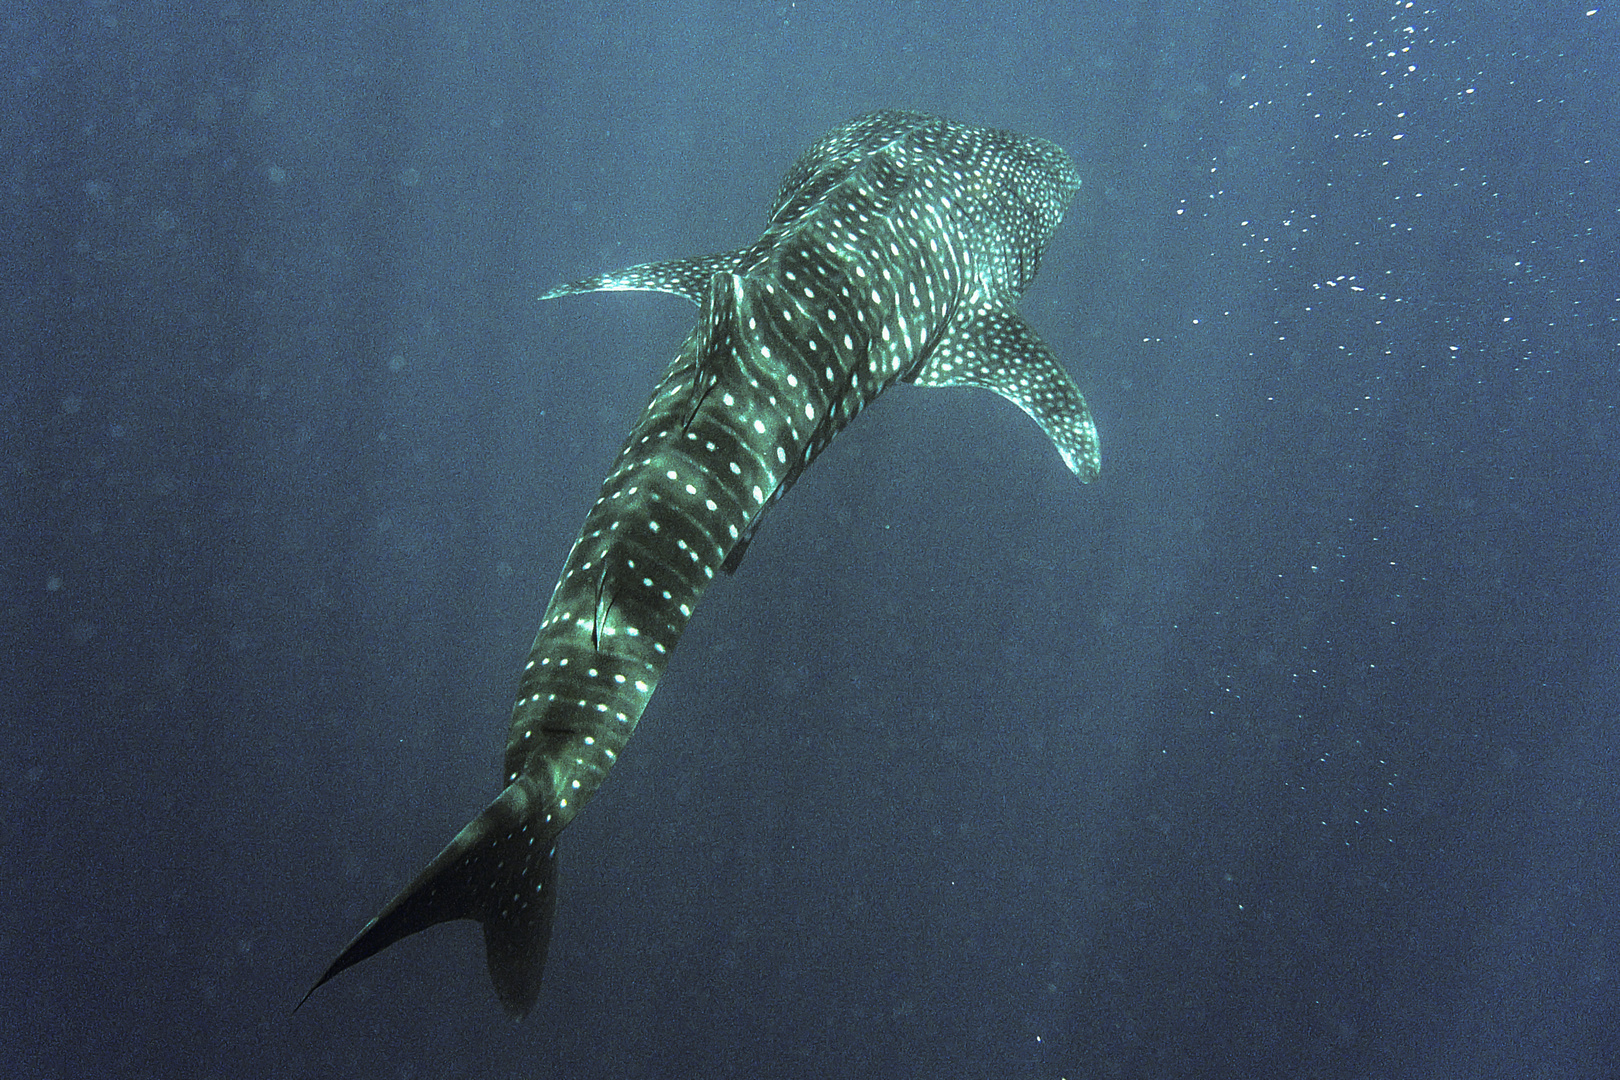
1008, 191
963, 212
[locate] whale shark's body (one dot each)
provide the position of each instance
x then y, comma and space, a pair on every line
896, 251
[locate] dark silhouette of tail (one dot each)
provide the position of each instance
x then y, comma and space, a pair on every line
500, 870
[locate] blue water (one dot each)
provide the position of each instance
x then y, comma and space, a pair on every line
1285, 749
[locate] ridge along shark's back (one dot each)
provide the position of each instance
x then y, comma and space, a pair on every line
896, 251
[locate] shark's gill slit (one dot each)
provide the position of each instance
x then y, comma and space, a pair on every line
701, 385
599, 611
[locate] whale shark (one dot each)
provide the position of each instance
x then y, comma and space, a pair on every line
896, 251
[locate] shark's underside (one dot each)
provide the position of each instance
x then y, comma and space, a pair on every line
896, 251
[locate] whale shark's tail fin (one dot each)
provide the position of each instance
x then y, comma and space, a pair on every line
500, 870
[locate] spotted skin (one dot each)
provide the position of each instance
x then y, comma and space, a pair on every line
896, 251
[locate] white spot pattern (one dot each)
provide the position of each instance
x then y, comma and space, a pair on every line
897, 249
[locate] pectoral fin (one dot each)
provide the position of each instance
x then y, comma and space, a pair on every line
997, 350
683, 277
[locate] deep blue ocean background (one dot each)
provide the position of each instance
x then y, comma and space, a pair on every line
1288, 748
